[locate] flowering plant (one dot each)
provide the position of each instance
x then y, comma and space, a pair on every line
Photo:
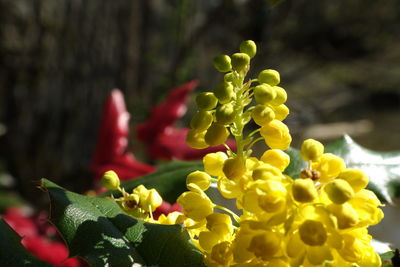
285, 208
318, 219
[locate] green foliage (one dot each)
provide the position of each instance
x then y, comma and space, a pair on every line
12, 253
100, 232
381, 167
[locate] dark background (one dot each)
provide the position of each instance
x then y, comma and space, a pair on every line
339, 62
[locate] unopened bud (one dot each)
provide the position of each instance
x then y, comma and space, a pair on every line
281, 96
202, 120
225, 114
248, 47
240, 61
216, 134
264, 94
199, 178
270, 77
110, 180
262, 115
206, 101
222, 63
195, 139
224, 92
311, 150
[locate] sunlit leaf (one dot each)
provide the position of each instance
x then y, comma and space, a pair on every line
100, 232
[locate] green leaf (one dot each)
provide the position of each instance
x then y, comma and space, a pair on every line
383, 168
169, 180
12, 253
100, 232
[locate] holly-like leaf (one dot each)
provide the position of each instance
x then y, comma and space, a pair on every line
169, 180
12, 253
100, 232
383, 168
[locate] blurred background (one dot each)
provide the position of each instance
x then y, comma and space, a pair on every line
339, 62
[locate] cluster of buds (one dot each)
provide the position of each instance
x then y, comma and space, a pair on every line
141, 203
319, 218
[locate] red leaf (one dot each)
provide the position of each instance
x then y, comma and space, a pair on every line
165, 114
112, 140
110, 153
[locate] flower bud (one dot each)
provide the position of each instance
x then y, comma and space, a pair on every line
270, 77
225, 114
213, 163
222, 63
199, 178
339, 191
248, 47
280, 97
311, 150
281, 112
234, 168
304, 190
356, 178
110, 180
206, 101
224, 92
216, 135
202, 120
195, 205
262, 115
276, 158
195, 139
264, 93
240, 61
276, 135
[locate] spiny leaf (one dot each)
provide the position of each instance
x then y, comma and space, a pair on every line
99, 231
383, 168
12, 253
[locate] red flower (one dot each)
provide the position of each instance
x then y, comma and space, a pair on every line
165, 114
53, 252
110, 153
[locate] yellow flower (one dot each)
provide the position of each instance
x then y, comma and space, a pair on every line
276, 135
213, 163
199, 178
311, 150
196, 204
276, 158
329, 166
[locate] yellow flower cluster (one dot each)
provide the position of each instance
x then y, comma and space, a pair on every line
319, 219
140, 203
